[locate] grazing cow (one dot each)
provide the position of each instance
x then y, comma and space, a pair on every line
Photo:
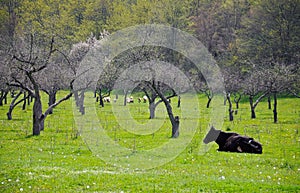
233, 142
106, 99
145, 98
129, 100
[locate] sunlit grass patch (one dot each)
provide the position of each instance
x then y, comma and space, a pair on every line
59, 160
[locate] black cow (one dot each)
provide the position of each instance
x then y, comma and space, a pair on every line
233, 142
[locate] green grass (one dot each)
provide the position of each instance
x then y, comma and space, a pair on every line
60, 161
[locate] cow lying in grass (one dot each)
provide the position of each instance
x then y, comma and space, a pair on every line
232, 142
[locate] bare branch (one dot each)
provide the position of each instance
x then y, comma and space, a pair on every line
55, 104
294, 93
20, 85
23, 61
260, 98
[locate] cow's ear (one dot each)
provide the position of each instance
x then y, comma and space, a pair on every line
251, 138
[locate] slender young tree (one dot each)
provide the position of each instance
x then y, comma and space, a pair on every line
278, 79
253, 87
232, 79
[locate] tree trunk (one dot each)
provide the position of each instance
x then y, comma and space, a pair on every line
12, 94
175, 127
29, 99
208, 102
24, 102
52, 100
253, 116
152, 108
230, 108
179, 102
38, 122
81, 103
275, 108
76, 98
82, 109
174, 120
269, 102
101, 101
12, 106
125, 97
79, 99
3, 97
237, 100
209, 96
9, 115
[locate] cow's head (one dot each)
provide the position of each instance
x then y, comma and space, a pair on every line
212, 135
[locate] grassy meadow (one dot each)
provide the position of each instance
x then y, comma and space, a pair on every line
59, 160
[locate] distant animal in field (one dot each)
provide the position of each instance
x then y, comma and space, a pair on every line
129, 100
106, 99
145, 98
233, 142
